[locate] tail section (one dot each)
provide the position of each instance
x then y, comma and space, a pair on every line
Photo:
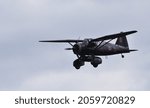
122, 41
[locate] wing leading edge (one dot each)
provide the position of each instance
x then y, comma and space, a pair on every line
113, 36
67, 40
106, 37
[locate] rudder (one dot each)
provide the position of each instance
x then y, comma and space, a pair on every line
122, 41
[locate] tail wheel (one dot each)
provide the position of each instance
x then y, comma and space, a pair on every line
122, 55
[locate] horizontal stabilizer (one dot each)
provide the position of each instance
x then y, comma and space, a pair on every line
133, 50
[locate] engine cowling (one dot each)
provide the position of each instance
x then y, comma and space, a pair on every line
79, 48
76, 48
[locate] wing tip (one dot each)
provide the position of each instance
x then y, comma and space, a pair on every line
134, 31
43, 41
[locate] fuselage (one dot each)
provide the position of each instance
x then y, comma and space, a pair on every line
104, 49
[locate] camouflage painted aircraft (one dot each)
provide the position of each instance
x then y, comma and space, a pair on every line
89, 49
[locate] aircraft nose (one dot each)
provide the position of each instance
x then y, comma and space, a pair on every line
76, 49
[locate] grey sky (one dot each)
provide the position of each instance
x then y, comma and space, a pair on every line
26, 64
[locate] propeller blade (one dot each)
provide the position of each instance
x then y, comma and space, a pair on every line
68, 48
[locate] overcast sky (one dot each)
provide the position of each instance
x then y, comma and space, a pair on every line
26, 64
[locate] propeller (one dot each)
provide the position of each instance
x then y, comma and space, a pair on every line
68, 48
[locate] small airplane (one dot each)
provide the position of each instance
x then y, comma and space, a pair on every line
89, 49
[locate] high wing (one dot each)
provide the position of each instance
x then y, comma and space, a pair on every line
67, 40
106, 37
113, 36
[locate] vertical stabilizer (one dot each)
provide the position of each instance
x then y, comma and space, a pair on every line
122, 41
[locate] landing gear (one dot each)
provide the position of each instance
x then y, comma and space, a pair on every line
96, 61
78, 63
95, 65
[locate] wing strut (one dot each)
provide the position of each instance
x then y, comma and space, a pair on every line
99, 46
70, 44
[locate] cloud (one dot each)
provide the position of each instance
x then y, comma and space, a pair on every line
116, 80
